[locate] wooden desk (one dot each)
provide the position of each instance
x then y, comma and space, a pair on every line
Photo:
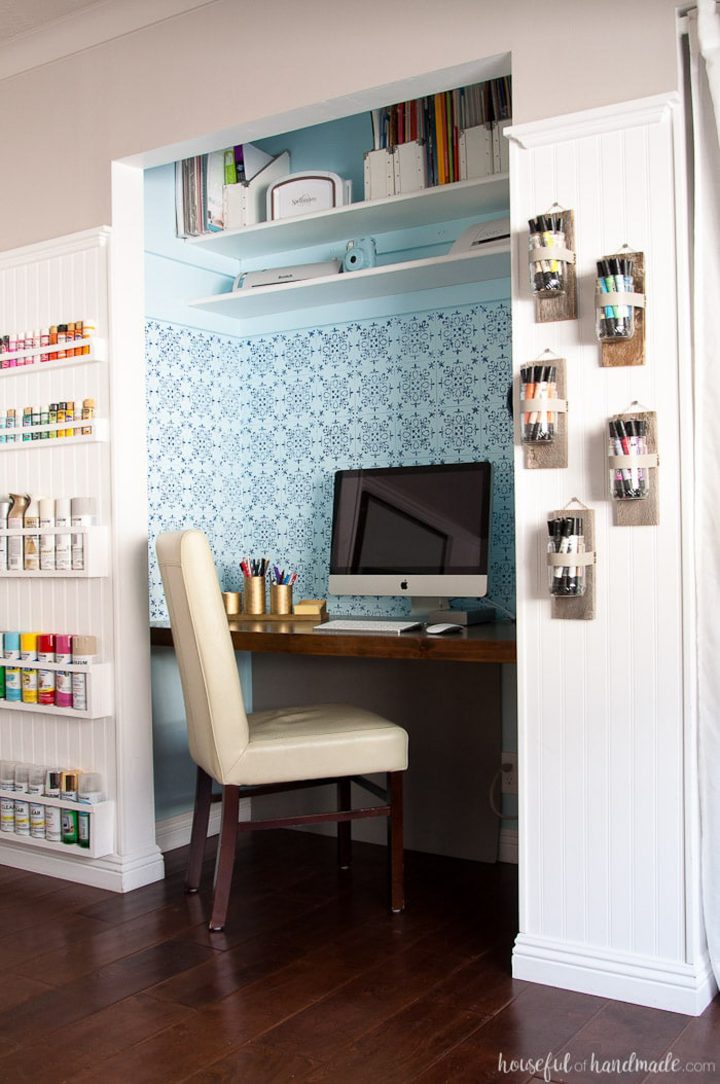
480, 643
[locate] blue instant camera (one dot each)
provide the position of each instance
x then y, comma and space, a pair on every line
360, 253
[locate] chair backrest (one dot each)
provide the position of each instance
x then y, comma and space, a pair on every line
216, 720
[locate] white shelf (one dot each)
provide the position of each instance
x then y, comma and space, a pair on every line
101, 826
100, 434
99, 690
463, 199
98, 352
96, 553
493, 262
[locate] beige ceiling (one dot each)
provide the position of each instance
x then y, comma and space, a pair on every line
21, 16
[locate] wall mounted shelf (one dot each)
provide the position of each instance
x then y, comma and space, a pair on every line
443, 203
96, 552
493, 262
99, 690
98, 352
101, 826
100, 434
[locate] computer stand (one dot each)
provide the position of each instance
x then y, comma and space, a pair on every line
437, 610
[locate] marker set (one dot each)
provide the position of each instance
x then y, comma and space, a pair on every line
548, 255
566, 538
627, 441
538, 383
615, 290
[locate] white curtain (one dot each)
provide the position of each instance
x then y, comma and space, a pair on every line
704, 39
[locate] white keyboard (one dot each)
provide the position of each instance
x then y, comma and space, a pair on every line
367, 626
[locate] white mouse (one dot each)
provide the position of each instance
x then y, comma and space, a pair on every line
435, 630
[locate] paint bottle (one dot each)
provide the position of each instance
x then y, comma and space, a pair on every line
88, 412
11, 423
5, 505
52, 339
84, 650
69, 825
53, 778
63, 546
46, 512
28, 653
7, 775
61, 340
46, 678
36, 420
79, 333
7, 814
21, 779
63, 678
44, 340
37, 820
82, 514
69, 417
69, 786
22, 817
36, 779
83, 829
11, 653
44, 420
32, 541
90, 788
36, 343
52, 418
16, 520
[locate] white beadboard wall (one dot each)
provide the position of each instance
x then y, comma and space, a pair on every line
39, 286
608, 874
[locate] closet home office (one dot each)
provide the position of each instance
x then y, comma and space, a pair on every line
227, 401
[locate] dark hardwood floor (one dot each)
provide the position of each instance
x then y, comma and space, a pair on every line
312, 981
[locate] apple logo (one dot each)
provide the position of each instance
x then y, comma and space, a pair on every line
404, 585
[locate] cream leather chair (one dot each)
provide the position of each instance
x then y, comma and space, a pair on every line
266, 751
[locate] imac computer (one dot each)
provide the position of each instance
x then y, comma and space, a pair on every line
420, 531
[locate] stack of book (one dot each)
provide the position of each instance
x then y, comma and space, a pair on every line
437, 121
199, 184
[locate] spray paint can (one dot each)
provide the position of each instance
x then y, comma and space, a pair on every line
46, 509
69, 786
82, 514
11, 653
84, 649
46, 678
32, 541
63, 678
7, 814
28, 653
69, 825
63, 551
22, 817
37, 820
5, 506
16, 519
83, 829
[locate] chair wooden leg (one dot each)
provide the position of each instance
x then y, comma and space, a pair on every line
395, 841
344, 836
225, 857
201, 819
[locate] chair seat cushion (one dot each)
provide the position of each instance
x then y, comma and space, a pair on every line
322, 741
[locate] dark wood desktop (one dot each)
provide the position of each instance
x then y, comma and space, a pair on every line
493, 643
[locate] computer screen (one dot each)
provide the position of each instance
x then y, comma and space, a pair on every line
419, 530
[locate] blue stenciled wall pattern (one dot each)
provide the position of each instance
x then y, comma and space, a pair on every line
245, 434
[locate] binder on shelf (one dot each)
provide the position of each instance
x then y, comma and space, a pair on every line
244, 202
409, 167
476, 152
379, 174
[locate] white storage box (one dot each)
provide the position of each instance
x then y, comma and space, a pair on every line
410, 168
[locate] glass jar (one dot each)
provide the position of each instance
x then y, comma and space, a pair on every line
566, 538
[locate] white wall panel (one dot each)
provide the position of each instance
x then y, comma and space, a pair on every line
601, 704
40, 286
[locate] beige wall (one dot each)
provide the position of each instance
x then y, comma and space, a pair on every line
237, 61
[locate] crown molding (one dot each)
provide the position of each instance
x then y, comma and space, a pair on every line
85, 29
592, 122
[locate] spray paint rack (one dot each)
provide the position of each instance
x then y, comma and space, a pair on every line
101, 826
96, 547
99, 689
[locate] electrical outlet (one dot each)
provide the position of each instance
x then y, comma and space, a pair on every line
509, 773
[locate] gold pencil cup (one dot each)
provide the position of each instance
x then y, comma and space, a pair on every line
232, 601
254, 595
280, 598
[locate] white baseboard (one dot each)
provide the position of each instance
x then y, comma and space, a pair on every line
508, 845
115, 872
175, 831
640, 980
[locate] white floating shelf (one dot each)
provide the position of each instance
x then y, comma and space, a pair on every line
96, 553
37, 358
493, 262
442, 203
100, 434
101, 826
99, 690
